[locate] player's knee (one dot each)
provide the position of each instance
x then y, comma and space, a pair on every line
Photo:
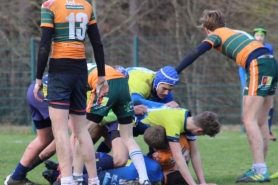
119, 161
44, 141
242, 118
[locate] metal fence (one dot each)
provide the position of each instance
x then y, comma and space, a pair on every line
211, 83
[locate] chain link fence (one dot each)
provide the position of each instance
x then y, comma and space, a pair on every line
210, 83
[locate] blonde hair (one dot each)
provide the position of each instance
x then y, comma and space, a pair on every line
212, 19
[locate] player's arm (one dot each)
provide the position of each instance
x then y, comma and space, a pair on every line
94, 36
179, 159
193, 55
196, 161
44, 50
43, 53
138, 97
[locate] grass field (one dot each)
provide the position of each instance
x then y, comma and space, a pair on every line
224, 157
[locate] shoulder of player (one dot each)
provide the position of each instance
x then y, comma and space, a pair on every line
47, 4
267, 45
88, 4
139, 69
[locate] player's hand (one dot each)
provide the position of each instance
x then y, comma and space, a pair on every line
102, 87
37, 88
140, 109
172, 104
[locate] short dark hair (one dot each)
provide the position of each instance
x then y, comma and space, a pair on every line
175, 178
155, 137
212, 19
208, 121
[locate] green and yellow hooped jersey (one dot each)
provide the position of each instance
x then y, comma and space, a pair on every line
70, 20
235, 44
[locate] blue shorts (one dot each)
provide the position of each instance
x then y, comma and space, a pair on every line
68, 91
38, 110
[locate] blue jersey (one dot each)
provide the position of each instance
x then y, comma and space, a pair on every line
128, 173
269, 47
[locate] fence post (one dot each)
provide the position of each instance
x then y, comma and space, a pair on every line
135, 51
33, 62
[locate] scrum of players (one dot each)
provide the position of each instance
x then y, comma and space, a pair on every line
124, 103
169, 130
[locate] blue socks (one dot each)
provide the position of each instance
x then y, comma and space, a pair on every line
20, 172
270, 116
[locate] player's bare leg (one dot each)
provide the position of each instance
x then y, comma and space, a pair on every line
263, 122
37, 145
43, 139
135, 152
254, 118
120, 152
96, 131
84, 148
48, 152
253, 106
59, 118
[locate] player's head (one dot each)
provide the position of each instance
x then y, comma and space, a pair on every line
122, 70
212, 19
155, 137
208, 123
165, 80
259, 33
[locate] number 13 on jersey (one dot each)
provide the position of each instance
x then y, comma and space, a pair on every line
77, 31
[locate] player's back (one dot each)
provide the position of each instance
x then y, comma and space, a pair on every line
173, 120
140, 81
70, 19
235, 44
111, 73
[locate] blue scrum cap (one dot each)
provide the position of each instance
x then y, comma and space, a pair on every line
166, 75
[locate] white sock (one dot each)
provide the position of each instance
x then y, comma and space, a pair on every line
93, 181
67, 180
259, 168
138, 161
78, 176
